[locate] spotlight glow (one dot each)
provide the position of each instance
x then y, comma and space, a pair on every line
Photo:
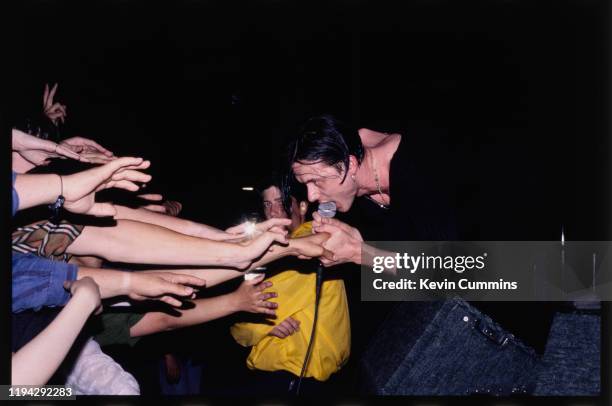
250, 229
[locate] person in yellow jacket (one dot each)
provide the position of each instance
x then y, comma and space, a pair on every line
281, 344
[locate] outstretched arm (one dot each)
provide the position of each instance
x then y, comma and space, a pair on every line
142, 285
177, 224
79, 188
35, 363
249, 297
143, 243
305, 247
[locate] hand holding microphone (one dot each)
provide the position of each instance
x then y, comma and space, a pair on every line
345, 241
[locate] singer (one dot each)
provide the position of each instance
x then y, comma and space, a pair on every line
408, 184
339, 163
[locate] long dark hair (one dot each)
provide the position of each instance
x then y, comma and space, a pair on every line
329, 140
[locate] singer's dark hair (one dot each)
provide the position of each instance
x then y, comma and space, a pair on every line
326, 139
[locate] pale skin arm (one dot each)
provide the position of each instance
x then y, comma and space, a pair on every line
177, 224
305, 247
34, 190
212, 276
143, 243
249, 297
20, 165
35, 363
79, 188
142, 285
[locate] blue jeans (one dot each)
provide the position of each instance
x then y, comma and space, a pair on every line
573, 357
449, 348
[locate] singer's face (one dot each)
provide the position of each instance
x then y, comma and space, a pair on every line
324, 184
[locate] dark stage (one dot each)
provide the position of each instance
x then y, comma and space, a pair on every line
212, 92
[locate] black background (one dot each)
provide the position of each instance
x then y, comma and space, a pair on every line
210, 92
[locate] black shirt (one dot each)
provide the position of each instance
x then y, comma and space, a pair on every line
425, 180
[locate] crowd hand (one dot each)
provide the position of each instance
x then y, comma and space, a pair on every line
311, 246
344, 243
38, 151
250, 297
256, 247
169, 207
79, 189
54, 111
173, 208
285, 328
153, 197
247, 229
162, 286
96, 157
84, 145
88, 287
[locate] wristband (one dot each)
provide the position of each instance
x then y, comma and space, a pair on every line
55, 207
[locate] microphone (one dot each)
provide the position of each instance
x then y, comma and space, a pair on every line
325, 209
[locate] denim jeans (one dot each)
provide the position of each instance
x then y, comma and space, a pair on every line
447, 348
573, 357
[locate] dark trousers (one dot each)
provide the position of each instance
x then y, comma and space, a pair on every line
447, 348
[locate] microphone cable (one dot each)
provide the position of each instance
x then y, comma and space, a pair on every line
318, 284
326, 209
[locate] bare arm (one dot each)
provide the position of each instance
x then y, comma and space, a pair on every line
35, 363
177, 224
142, 285
306, 247
34, 190
20, 165
212, 276
249, 297
136, 242
79, 188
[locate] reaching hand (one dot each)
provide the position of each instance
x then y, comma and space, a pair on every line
344, 243
153, 197
38, 151
250, 297
89, 288
319, 221
79, 189
160, 285
311, 246
249, 229
168, 207
54, 111
285, 328
173, 208
252, 249
87, 147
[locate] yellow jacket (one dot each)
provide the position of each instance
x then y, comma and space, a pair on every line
296, 298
